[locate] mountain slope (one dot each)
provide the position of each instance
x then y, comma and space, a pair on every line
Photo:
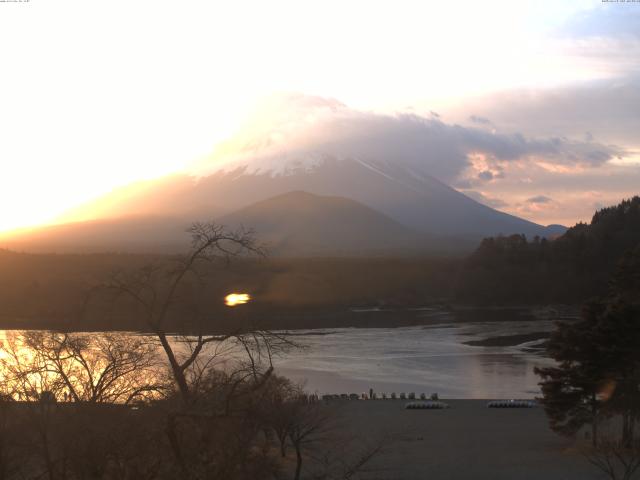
300, 223
397, 165
414, 199
292, 224
139, 234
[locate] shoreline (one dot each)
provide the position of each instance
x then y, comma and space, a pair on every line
509, 340
359, 317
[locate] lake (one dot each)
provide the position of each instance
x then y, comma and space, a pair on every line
421, 359
429, 358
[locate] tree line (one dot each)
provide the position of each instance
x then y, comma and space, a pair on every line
569, 269
595, 384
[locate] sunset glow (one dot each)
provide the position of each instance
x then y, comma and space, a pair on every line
82, 117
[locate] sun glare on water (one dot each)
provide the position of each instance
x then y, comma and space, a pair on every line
234, 299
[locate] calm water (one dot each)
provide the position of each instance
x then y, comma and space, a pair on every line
418, 359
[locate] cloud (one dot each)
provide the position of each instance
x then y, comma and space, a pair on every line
549, 141
480, 120
487, 200
539, 199
485, 175
575, 195
604, 111
302, 127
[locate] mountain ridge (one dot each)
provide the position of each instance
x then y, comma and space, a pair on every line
415, 199
302, 223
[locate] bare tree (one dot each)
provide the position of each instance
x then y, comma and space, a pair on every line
180, 286
309, 424
81, 371
97, 368
24, 374
347, 457
219, 376
617, 459
316, 434
11, 460
280, 400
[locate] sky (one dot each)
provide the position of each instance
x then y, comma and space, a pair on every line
535, 103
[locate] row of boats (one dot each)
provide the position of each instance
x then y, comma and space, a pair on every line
378, 396
429, 405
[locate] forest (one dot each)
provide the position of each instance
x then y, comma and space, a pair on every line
51, 290
569, 269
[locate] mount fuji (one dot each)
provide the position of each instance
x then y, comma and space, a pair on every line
380, 169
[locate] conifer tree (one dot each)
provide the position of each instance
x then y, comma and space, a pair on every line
598, 371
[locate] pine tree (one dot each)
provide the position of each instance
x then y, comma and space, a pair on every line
598, 371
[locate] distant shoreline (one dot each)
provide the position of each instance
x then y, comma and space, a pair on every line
509, 340
349, 317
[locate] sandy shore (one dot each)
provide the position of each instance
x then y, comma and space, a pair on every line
467, 441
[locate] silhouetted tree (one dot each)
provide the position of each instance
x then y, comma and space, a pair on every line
179, 286
213, 427
74, 392
571, 390
94, 368
599, 360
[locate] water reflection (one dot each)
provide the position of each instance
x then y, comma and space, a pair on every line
425, 359
107, 367
420, 359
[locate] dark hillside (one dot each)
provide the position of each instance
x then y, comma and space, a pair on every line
570, 269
